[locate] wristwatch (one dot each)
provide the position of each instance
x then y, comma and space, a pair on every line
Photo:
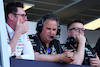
14, 56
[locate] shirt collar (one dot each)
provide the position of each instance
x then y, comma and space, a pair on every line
50, 44
10, 31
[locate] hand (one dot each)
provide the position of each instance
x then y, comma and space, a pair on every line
95, 61
81, 38
21, 27
67, 56
18, 57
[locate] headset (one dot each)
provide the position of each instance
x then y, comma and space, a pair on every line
44, 18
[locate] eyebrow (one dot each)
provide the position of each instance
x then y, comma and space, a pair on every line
50, 28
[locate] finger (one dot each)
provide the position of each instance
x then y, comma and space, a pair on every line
65, 50
73, 58
25, 23
17, 20
27, 29
97, 55
69, 50
93, 64
79, 33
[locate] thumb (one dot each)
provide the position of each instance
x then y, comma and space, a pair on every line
17, 20
96, 55
65, 50
70, 50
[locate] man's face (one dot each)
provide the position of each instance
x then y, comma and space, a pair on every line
21, 15
75, 29
49, 29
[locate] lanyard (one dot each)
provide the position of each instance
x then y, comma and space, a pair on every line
8, 34
46, 51
10, 40
42, 47
72, 46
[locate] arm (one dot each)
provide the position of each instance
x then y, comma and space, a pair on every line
20, 29
79, 55
55, 58
13, 41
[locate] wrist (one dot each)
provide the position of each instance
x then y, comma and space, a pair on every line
17, 33
14, 56
61, 57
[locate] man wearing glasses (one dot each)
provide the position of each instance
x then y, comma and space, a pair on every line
77, 42
17, 27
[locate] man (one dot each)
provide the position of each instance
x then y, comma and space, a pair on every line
76, 41
97, 47
17, 27
96, 61
46, 47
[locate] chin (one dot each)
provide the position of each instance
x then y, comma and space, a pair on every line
50, 39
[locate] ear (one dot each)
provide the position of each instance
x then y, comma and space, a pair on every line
11, 16
68, 32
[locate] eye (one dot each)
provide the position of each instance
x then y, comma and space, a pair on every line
48, 28
76, 28
83, 30
54, 29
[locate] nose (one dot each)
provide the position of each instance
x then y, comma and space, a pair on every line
51, 32
25, 18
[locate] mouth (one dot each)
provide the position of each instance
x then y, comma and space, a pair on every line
49, 36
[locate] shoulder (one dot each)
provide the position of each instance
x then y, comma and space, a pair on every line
32, 36
56, 40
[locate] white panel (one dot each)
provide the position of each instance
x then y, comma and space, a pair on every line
92, 37
3, 38
32, 27
63, 35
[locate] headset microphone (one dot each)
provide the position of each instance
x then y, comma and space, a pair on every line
52, 37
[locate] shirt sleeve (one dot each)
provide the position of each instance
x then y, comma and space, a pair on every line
9, 50
28, 52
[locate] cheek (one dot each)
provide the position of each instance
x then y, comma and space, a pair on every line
21, 20
46, 32
74, 34
55, 32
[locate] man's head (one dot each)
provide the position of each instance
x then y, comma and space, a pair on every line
75, 27
47, 27
14, 11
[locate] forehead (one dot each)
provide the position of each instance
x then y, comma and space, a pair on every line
50, 22
20, 10
77, 24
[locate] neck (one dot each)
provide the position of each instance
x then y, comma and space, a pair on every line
47, 45
45, 41
11, 25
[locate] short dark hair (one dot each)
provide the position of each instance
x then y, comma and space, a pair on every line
11, 7
49, 16
75, 21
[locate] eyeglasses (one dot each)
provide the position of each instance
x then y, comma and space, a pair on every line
77, 29
23, 15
